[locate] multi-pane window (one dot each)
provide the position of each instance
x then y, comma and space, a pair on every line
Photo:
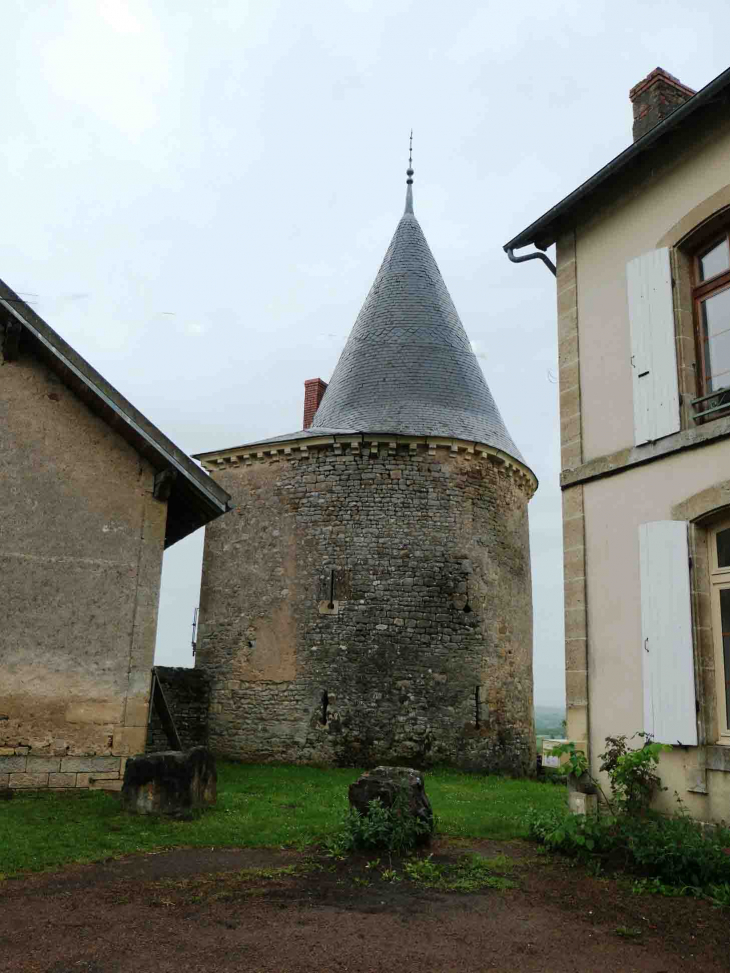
719, 554
712, 307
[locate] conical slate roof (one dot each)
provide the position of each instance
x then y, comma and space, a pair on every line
408, 367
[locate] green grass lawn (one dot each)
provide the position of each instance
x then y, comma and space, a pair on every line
258, 805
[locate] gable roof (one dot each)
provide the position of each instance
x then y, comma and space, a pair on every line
194, 497
408, 367
545, 230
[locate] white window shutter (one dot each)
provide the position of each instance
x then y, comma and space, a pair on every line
666, 633
653, 349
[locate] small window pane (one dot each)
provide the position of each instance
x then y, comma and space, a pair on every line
715, 261
723, 548
716, 336
725, 622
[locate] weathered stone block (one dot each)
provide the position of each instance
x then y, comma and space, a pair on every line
104, 783
29, 780
43, 765
385, 784
62, 780
12, 765
173, 782
585, 804
87, 765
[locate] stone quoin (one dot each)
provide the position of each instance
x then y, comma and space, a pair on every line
369, 598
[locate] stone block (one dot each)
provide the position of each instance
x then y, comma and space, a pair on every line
137, 711
105, 782
29, 780
577, 722
573, 502
585, 804
62, 780
576, 687
571, 455
575, 624
97, 784
575, 593
575, 654
13, 765
94, 711
43, 765
386, 784
87, 765
131, 740
4, 781
174, 783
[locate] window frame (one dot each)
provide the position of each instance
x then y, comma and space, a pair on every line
719, 581
701, 290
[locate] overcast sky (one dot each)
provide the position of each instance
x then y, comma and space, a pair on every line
197, 196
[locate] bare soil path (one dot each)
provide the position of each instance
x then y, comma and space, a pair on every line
194, 911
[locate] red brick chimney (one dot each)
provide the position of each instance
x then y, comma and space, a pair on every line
314, 389
655, 98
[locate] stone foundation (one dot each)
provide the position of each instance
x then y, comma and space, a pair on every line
22, 770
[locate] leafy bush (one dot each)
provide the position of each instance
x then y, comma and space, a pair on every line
393, 828
675, 851
631, 771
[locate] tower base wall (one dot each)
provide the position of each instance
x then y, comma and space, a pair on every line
370, 602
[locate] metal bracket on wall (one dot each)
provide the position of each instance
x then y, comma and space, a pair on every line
164, 481
11, 339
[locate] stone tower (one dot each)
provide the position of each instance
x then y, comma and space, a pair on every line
369, 598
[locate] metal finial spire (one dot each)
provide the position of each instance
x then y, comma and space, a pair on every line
409, 173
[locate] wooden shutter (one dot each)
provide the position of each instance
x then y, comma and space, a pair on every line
653, 349
666, 633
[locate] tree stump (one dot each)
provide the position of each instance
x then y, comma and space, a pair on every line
175, 782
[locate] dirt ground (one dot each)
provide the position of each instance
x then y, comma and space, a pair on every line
189, 911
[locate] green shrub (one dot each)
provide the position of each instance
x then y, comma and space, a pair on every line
393, 828
631, 772
674, 850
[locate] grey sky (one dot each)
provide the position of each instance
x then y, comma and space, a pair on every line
198, 197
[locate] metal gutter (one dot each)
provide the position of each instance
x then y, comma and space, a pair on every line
678, 116
128, 420
533, 256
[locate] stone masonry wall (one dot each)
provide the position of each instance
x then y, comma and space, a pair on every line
397, 670
81, 543
188, 695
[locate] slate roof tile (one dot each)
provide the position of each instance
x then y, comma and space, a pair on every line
408, 367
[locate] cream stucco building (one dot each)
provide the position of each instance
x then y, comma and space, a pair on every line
643, 290
91, 493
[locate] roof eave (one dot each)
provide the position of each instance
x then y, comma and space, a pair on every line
542, 232
195, 498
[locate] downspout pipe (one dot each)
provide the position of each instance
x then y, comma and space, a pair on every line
532, 256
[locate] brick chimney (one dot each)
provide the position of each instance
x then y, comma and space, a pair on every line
314, 389
655, 98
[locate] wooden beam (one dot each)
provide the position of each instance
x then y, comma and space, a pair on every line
162, 708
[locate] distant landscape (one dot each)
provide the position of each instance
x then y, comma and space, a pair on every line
549, 723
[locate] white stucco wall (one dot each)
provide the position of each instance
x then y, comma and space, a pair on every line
657, 213
630, 228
